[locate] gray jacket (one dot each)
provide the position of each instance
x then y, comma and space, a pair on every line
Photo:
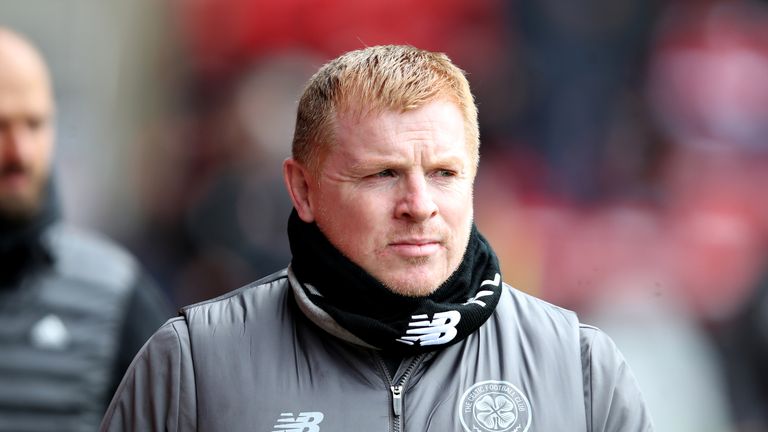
252, 361
66, 330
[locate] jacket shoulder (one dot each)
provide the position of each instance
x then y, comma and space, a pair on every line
532, 309
158, 390
90, 257
612, 397
257, 300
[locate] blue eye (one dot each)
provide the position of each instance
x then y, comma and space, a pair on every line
446, 173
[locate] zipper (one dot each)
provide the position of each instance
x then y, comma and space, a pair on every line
397, 390
397, 399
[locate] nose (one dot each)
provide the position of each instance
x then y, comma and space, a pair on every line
416, 202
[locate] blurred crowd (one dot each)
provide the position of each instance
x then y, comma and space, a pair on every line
623, 172
624, 161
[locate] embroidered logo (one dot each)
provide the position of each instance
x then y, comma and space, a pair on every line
304, 422
50, 333
441, 329
494, 406
484, 293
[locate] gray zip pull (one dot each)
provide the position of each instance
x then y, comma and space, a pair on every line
397, 399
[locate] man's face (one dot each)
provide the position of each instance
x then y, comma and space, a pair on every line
26, 135
394, 195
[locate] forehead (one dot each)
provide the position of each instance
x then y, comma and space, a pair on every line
21, 97
24, 83
437, 127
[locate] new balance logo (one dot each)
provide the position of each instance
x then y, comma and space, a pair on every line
304, 422
495, 282
484, 293
442, 329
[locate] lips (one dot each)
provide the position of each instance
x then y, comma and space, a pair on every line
13, 178
416, 247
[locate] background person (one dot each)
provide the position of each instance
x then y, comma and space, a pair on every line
74, 308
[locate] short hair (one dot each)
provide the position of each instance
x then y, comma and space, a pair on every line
374, 80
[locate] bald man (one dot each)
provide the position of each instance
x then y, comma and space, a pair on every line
74, 307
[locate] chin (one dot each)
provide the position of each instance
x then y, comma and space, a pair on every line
19, 210
413, 286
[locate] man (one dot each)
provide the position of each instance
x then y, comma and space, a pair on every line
392, 314
74, 308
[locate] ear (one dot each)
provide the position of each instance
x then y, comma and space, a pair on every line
298, 182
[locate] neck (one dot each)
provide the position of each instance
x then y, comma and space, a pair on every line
335, 293
20, 240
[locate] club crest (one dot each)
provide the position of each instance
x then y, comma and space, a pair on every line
494, 406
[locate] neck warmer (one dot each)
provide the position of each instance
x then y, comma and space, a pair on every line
343, 299
21, 248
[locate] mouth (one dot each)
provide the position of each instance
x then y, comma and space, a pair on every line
13, 178
416, 247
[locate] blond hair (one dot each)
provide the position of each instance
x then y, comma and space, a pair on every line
374, 80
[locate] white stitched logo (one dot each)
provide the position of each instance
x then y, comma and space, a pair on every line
304, 422
494, 282
50, 333
494, 406
442, 329
484, 293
